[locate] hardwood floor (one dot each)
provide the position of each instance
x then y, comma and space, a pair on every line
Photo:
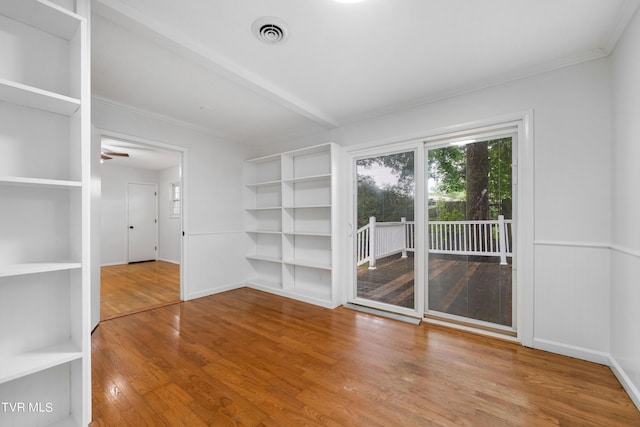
129, 288
247, 358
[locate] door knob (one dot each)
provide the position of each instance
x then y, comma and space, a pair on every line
131, 227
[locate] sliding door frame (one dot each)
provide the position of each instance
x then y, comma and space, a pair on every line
418, 148
520, 124
524, 176
480, 135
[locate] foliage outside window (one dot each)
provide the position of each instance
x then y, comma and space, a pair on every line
471, 182
392, 199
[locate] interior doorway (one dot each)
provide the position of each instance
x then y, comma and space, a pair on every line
142, 209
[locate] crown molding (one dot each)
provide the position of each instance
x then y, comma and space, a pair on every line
478, 86
625, 14
160, 117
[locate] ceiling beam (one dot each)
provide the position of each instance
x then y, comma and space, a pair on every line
177, 42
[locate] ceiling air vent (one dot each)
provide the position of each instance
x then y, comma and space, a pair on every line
270, 30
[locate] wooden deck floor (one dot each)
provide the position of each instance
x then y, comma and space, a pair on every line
477, 287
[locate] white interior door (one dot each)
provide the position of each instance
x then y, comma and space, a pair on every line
142, 208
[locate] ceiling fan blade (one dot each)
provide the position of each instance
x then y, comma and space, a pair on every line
114, 153
104, 157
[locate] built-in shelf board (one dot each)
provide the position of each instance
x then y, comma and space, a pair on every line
307, 207
38, 182
270, 208
47, 297
264, 184
264, 258
31, 362
32, 97
308, 263
264, 232
42, 14
10, 270
295, 193
308, 178
306, 233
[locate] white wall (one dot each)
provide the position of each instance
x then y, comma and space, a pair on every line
625, 255
113, 209
96, 215
572, 220
169, 227
213, 222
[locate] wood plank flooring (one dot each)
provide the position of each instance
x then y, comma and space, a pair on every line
247, 358
129, 288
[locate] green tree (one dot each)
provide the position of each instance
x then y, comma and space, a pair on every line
387, 203
478, 173
447, 166
477, 181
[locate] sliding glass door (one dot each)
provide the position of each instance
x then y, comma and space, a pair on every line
470, 232
385, 231
434, 231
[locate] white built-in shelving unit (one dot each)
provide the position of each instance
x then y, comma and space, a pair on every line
44, 217
293, 224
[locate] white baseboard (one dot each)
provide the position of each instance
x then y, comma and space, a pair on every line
572, 351
626, 382
292, 295
170, 261
213, 291
111, 264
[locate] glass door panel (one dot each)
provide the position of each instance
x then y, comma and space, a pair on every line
470, 230
385, 229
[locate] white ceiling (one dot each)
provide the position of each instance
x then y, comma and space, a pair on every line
141, 156
198, 62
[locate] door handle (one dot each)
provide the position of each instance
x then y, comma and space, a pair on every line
131, 227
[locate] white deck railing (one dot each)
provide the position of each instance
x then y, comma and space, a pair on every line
377, 240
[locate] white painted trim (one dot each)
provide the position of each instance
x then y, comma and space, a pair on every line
625, 381
213, 291
572, 351
478, 331
215, 233
572, 244
170, 261
430, 133
184, 177
497, 81
155, 116
625, 14
525, 231
522, 123
374, 150
627, 251
365, 309
111, 264
590, 245
294, 296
